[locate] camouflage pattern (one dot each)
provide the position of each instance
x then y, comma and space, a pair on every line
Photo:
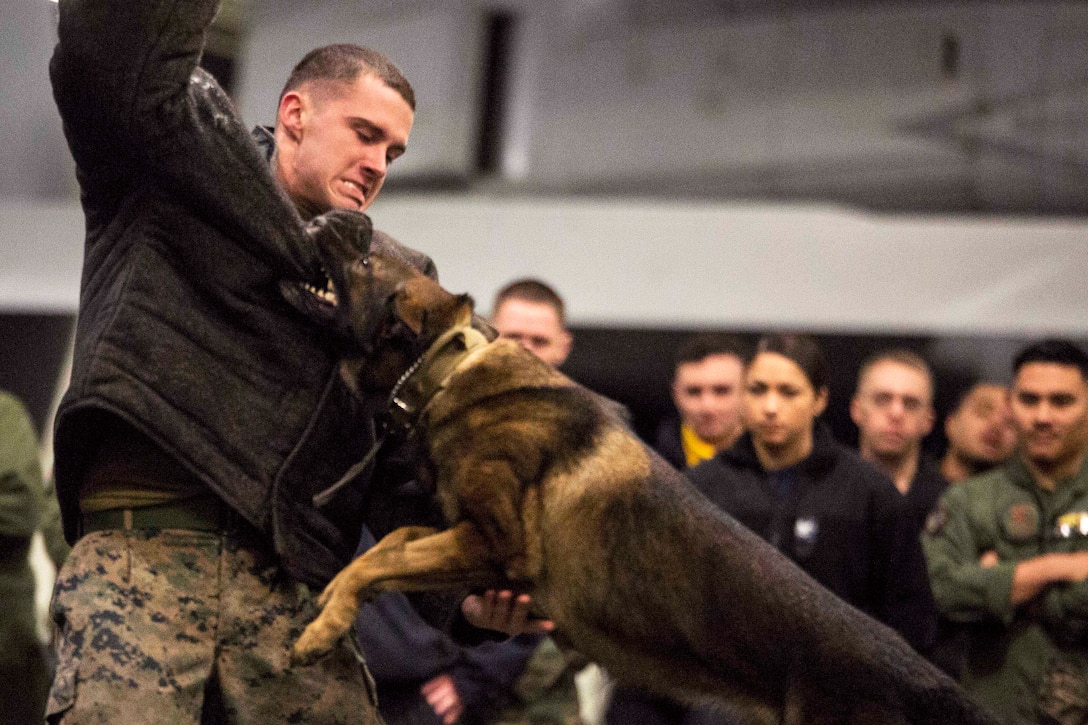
1063, 692
146, 620
545, 693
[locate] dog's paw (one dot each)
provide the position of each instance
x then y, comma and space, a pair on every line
332, 587
311, 646
322, 634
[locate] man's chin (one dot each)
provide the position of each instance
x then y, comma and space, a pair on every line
347, 204
1044, 458
891, 452
980, 461
338, 199
708, 435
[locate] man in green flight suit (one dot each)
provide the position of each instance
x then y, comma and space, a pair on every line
1008, 550
24, 679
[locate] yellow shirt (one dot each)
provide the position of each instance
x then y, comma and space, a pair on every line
696, 450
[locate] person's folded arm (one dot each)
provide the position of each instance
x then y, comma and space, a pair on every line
1032, 576
965, 590
1064, 607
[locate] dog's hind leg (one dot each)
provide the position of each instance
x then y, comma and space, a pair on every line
414, 559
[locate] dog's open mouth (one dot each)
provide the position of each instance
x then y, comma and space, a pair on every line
325, 295
341, 239
317, 302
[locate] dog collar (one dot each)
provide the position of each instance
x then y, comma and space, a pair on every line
429, 374
415, 390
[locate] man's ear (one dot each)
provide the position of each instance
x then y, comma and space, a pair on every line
855, 410
931, 418
291, 114
674, 391
565, 343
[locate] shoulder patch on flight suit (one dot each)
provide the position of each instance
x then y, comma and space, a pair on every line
1021, 522
936, 520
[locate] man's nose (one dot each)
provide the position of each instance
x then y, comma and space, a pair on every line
1044, 414
374, 162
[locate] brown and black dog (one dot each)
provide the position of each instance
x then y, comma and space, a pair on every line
546, 491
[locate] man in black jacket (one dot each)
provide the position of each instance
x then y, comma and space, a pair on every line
893, 410
706, 389
204, 414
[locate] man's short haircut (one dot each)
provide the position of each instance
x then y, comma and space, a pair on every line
901, 355
964, 391
529, 289
1057, 351
701, 346
343, 63
805, 352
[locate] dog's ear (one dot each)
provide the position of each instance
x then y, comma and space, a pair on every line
422, 307
408, 308
463, 311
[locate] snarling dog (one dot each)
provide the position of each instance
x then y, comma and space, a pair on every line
545, 490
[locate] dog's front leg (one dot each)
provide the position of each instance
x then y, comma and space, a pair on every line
410, 559
491, 494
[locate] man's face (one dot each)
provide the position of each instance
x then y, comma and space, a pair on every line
981, 429
708, 395
1050, 409
536, 326
342, 138
893, 409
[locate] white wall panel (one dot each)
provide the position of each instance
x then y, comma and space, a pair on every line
633, 263
757, 265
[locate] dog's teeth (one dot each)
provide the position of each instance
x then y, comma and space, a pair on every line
326, 294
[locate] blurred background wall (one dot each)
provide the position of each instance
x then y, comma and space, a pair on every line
872, 171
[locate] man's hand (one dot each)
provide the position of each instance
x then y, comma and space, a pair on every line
1034, 575
441, 694
503, 612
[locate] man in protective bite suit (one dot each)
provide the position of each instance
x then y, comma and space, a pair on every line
204, 414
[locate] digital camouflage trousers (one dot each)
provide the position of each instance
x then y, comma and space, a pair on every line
545, 693
182, 627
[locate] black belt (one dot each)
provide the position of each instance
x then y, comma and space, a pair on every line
201, 513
